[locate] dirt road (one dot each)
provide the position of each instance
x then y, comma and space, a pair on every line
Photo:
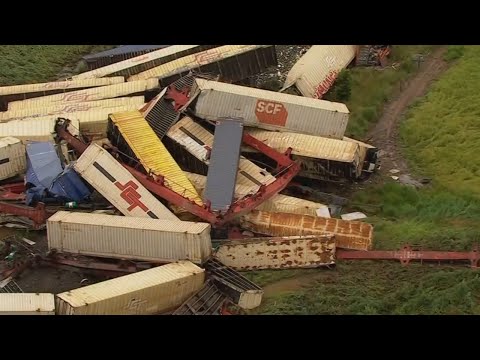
385, 134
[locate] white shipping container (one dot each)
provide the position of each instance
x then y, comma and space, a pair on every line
138, 60
13, 160
65, 108
181, 133
194, 61
316, 71
269, 110
27, 304
148, 292
277, 203
98, 93
34, 129
309, 251
59, 85
130, 238
90, 122
118, 186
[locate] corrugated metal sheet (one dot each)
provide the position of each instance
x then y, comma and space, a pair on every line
130, 238
34, 129
76, 109
151, 153
122, 50
146, 292
308, 145
353, 235
277, 203
194, 138
91, 122
278, 253
269, 110
46, 109
59, 85
224, 160
239, 289
118, 186
12, 158
316, 71
98, 93
194, 61
316, 154
27, 304
144, 62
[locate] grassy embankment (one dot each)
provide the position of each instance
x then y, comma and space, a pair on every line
440, 134
25, 64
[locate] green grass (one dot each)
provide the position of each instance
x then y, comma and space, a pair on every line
368, 288
440, 134
24, 64
372, 88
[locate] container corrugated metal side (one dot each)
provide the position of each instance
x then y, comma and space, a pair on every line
136, 61
353, 235
91, 122
312, 148
193, 61
316, 71
269, 110
309, 251
27, 304
12, 157
34, 129
118, 186
147, 292
151, 152
59, 85
277, 203
98, 93
193, 137
130, 238
128, 103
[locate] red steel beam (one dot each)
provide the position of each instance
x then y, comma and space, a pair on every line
38, 214
288, 170
407, 254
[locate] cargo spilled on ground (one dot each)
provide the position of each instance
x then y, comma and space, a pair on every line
187, 116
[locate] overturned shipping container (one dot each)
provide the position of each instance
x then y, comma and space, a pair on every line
189, 136
13, 161
34, 129
277, 203
239, 289
309, 251
320, 158
269, 110
118, 186
28, 91
148, 292
27, 304
98, 93
119, 53
232, 62
120, 237
317, 70
132, 134
353, 235
144, 62
133, 102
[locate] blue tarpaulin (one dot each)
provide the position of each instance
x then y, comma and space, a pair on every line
43, 164
70, 186
46, 179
